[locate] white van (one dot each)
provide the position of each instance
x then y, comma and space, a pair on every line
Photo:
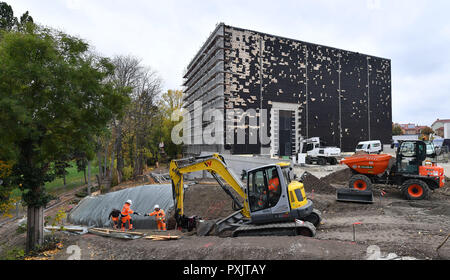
370, 147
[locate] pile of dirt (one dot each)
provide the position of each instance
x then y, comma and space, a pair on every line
340, 177
208, 202
312, 183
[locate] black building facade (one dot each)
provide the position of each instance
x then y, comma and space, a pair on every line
307, 90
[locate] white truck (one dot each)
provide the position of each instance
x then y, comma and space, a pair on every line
370, 147
317, 154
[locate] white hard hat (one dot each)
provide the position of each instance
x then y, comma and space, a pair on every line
129, 201
156, 206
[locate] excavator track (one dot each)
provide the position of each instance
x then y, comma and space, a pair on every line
314, 218
280, 229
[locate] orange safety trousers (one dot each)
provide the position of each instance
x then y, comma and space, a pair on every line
161, 225
125, 220
126, 211
115, 221
160, 219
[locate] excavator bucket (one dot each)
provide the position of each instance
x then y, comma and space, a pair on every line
353, 195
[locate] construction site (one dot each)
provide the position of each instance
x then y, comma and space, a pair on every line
388, 228
329, 184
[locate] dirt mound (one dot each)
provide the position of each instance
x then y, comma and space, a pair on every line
340, 177
311, 182
207, 201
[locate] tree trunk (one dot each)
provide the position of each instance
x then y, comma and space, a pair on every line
89, 178
64, 179
106, 158
120, 163
84, 172
35, 227
131, 149
111, 165
137, 162
99, 159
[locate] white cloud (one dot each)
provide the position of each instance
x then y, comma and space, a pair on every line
74, 4
167, 34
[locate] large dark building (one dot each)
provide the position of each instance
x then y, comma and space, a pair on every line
308, 90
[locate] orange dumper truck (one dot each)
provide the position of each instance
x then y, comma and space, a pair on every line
410, 171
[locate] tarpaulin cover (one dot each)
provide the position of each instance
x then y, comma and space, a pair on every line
94, 211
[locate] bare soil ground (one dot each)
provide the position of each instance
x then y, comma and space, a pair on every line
390, 225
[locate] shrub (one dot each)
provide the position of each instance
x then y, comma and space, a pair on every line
127, 173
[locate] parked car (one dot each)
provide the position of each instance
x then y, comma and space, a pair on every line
431, 150
370, 147
442, 145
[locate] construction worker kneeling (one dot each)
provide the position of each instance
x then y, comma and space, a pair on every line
114, 216
125, 215
160, 217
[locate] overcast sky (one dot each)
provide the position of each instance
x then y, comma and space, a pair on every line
166, 35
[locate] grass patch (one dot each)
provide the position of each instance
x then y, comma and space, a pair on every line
74, 179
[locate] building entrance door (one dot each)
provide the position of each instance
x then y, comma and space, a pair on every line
285, 133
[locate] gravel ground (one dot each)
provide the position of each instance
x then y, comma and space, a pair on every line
391, 225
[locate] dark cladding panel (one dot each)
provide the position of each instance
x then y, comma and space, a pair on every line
380, 99
284, 77
243, 84
283, 70
353, 100
323, 95
243, 69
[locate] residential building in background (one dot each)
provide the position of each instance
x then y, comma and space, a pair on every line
438, 126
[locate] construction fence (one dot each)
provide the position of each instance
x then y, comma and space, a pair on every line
442, 154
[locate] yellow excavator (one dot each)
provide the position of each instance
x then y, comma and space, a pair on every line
274, 202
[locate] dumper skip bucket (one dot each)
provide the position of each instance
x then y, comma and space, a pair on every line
352, 195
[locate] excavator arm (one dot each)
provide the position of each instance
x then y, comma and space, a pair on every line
216, 166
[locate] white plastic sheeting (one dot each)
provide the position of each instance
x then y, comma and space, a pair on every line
94, 211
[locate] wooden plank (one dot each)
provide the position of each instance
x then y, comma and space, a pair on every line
63, 228
118, 231
162, 237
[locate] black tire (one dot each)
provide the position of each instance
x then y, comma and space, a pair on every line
333, 161
308, 160
322, 161
415, 189
360, 182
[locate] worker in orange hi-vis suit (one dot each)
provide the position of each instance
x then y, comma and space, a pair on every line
126, 212
160, 217
274, 182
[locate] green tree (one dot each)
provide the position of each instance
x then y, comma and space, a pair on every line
9, 22
53, 98
7, 19
172, 100
60, 168
397, 130
426, 131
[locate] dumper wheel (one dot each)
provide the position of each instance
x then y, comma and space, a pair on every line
360, 182
415, 189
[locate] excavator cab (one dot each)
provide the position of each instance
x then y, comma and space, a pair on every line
275, 197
